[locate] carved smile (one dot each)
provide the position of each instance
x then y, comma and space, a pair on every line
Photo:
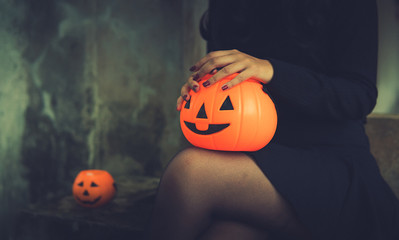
213, 128
90, 202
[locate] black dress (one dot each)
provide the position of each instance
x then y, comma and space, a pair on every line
324, 86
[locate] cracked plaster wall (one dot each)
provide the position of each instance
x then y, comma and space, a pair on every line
388, 58
89, 84
13, 102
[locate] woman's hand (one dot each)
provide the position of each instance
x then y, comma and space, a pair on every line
222, 64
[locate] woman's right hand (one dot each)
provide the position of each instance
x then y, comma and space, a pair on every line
222, 64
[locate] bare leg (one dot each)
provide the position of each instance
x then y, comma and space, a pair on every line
230, 230
200, 185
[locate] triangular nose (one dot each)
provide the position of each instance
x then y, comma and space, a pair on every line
202, 113
85, 193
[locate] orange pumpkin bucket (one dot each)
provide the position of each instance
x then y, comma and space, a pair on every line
93, 188
242, 118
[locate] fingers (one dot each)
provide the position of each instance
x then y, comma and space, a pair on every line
238, 79
184, 95
209, 56
184, 92
214, 63
224, 72
193, 84
213, 60
179, 103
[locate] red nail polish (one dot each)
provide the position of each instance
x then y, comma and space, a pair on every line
192, 69
206, 84
225, 87
195, 88
185, 97
195, 77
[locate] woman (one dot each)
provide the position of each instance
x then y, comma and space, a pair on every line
317, 178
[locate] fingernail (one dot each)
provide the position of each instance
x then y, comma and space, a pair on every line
225, 87
195, 77
185, 97
195, 88
206, 84
192, 69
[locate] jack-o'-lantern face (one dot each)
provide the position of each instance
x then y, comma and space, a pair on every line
242, 118
93, 188
212, 128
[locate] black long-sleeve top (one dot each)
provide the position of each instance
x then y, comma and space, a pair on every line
324, 62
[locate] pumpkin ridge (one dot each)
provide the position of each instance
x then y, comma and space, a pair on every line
241, 108
212, 112
259, 117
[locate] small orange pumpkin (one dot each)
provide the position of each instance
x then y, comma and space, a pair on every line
93, 188
242, 118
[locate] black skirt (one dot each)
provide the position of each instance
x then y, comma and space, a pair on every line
337, 192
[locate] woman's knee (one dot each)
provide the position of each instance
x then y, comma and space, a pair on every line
184, 162
186, 171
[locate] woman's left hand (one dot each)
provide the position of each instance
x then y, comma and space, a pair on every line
228, 62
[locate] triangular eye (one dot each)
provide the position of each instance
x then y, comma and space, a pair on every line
227, 105
202, 112
187, 105
93, 184
80, 184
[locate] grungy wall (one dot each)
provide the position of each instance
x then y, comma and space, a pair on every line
89, 84
13, 104
388, 59
101, 82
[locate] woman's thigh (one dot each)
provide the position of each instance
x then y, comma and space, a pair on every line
233, 187
232, 230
